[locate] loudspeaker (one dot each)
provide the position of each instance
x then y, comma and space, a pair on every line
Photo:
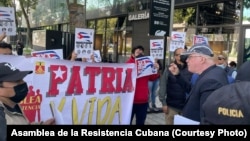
46, 39
53, 39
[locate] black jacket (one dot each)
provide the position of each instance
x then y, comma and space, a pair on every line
3, 126
208, 81
173, 89
230, 103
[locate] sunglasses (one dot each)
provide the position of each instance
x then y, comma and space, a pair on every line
220, 58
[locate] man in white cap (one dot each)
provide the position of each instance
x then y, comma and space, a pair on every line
200, 61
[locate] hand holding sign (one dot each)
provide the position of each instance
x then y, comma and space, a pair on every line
2, 36
56, 114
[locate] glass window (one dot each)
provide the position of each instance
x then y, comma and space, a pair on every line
246, 56
189, 37
48, 13
100, 35
65, 27
128, 45
91, 24
246, 12
81, 2
105, 8
223, 40
226, 12
141, 5
111, 40
185, 16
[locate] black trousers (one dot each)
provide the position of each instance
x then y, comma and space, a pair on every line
19, 52
140, 113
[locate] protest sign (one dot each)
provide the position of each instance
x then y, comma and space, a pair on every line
84, 39
177, 40
157, 48
56, 54
83, 93
145, 66
7, 20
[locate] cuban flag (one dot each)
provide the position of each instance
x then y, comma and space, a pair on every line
157, 45
198, 39
7, 21
145, 66
53, 54
83, 36
4, 15
177, 37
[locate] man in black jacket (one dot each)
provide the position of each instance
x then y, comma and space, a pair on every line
174, 86
200, 61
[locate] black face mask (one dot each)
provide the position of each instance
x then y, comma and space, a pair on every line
183, 58
21, 92
139, 55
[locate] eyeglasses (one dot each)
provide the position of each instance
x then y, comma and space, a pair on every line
220, 58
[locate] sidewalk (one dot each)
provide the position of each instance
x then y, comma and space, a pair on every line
155, 119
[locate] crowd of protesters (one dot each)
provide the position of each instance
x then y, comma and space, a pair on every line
178, 94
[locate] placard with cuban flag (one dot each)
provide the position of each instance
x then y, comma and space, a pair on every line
7, 21
199, 39
54, 54
177, 40
97, 56
84, 39
156, 48
145, 66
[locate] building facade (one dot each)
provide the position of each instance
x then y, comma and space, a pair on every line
121, 24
